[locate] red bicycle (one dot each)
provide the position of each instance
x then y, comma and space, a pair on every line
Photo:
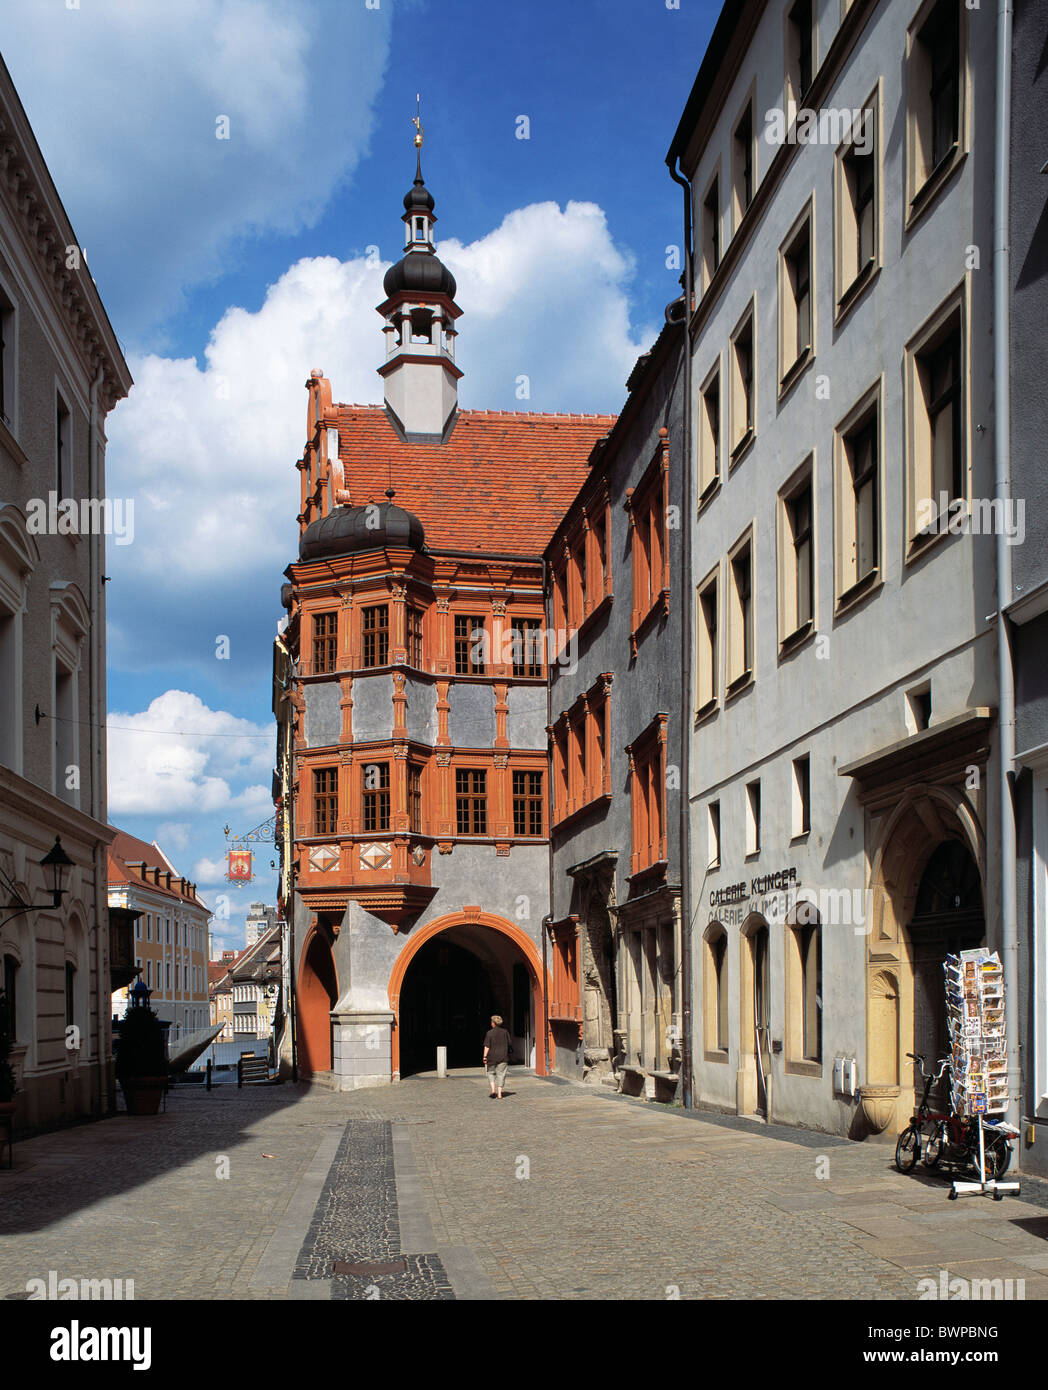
911, 1144
953, 1137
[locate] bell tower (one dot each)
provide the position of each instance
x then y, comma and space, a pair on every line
419, 374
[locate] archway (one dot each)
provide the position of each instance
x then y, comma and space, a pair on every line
754, 1018
317, 993
926, 900
451, 976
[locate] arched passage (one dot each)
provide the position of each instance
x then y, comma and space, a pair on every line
451, 976
317, 993
754, 1017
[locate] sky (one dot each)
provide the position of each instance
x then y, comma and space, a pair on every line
234, 172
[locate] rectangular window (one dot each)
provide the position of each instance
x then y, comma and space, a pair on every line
149, 927
709, 435
753, 817
742, 148
713, 849
936, 466
415, 798
375, 634
375, 781
809, 945
742, 384
716, 991
856, 205
599, 526
414, 616
149, 973
560, 768
706, 645
861, 500
325, 642
469, 645
800, 49
526, 646
711, 247
648, 798
801, 796
527, 804
934, 93
63, 450
795, 302
740, 616
797, 573
471, 801
325, 800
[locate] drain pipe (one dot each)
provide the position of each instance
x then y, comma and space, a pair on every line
684, 848
96, 727
1002, 464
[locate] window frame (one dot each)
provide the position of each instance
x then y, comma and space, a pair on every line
740, 441
708, 441
925, 177
949, 319
707, 646
793, 631
792, 364
849, 282
736, 611
849, 585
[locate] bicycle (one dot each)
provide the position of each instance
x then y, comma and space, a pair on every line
909, 1145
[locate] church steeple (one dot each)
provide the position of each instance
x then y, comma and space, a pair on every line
419, 373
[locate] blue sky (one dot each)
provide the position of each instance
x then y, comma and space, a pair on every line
230, 268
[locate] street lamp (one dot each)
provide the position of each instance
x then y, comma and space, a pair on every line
54, 863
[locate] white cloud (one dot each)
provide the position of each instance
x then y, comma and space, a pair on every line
173, 835
207, 451
134, 152
180, 756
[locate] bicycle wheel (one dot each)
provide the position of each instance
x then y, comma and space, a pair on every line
998, 1156
933, 1148
908, 1149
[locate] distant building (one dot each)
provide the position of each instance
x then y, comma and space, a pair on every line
220, 992
259, 920
61, 373
170, 941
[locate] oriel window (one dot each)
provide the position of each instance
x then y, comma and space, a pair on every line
325, 642
376, 796
375, 632
325, 800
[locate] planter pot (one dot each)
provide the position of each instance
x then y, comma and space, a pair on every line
143, 1094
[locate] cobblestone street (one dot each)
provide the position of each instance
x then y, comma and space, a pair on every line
429, 1190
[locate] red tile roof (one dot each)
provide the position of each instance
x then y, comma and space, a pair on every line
128, 849
501, 482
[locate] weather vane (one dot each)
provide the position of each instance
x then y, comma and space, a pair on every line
416, 121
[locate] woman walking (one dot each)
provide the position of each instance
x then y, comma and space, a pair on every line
496, 1055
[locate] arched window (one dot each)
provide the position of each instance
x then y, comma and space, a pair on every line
715, 993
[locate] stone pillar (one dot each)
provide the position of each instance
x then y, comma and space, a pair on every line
362, 1053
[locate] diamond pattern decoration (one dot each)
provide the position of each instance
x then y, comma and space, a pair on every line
375, 856
323, 857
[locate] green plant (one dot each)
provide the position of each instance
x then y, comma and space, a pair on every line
8, 1086
140, 1049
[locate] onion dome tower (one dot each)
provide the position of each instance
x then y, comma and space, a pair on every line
419, 373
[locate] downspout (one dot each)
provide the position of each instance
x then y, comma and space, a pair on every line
1002, 464
96, 728
685, 698
548, 922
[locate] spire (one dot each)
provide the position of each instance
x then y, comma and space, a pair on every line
419, 373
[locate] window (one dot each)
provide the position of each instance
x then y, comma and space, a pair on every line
716, 990
740, 615
469, 645
560, 768
64, 730
742, 152
741, 358
801, 796
414, 616
936, 445
325, 800
804, 992
713, 825
149, 927
599, 529
526, 646
711, 249
167, 976
920, 705
856, 204
648, 797
706, 644
375, 634
858, 520
797, 569
8, 359
149, 973
800, 50
709, 435
753, 817
650, 558
11, 995
527, 803
471, 803
935, 95
415, 798
602, 772
325, 642
796, 329
63, 449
